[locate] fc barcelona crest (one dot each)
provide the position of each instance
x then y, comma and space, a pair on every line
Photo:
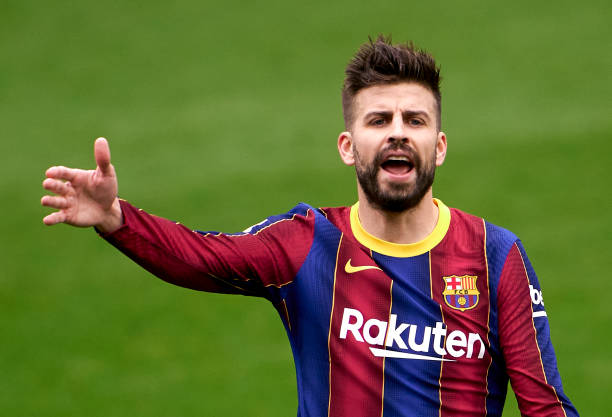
461, 293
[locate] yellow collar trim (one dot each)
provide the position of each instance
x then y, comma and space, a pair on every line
402, 250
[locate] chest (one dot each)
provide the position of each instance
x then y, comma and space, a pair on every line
415, 304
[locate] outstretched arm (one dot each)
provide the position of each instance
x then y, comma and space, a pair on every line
84, 198
253, 263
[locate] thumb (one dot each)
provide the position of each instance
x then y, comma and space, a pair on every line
102, 155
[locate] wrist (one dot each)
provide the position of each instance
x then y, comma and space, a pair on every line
112, 220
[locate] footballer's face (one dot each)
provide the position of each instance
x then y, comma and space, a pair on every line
394, 144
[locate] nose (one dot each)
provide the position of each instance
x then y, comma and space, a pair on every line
398, 132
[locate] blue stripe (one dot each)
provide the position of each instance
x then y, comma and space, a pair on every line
499, 243
408, 382
309, 303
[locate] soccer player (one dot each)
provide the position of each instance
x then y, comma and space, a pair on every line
395, 306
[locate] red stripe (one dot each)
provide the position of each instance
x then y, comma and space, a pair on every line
468, 283
356, 376
463, 384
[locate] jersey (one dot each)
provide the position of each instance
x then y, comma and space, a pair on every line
434, 328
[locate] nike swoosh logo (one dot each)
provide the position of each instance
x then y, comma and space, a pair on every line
350, 269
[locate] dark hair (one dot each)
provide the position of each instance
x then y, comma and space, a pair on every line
379, 62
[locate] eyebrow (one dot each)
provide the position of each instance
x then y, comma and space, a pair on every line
405, 114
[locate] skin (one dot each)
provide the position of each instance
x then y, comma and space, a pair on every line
84, 198
384, 114
399, 112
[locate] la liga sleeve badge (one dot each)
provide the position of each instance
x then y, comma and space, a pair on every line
460, 292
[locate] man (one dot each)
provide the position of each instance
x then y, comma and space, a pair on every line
396, 306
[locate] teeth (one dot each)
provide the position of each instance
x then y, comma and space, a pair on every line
398, 158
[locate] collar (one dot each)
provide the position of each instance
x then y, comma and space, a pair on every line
402, 250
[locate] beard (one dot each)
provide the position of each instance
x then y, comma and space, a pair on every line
395, 197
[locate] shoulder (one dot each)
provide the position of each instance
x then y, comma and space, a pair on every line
301, 215
338, 217
500, 246
498, 239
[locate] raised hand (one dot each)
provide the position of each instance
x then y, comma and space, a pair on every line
84, 198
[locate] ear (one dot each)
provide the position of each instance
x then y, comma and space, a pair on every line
345, 147
440, 149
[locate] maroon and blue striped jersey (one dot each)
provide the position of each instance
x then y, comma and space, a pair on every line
434, 328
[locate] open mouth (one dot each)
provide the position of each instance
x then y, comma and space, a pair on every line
397, 165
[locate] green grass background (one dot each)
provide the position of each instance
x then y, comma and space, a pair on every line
222, 113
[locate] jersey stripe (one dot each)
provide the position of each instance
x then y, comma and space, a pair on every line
407, 381
442, 319
310, 320
382, 403
462, 253
331, 316
484, 249
356, 375
498, 243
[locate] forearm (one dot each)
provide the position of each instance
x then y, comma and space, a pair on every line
177, 254
250, 263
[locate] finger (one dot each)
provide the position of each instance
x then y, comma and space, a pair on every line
102, 155
54, 218
62, 173
53, 201
56, 186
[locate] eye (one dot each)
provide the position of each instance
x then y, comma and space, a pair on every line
378, 121
415, 122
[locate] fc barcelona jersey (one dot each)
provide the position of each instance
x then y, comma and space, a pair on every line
434, 328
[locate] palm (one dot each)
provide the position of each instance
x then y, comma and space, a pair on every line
90, 196
84, 197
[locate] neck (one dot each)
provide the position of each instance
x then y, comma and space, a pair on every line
409, 226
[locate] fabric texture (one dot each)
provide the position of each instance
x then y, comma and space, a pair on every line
437, 333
